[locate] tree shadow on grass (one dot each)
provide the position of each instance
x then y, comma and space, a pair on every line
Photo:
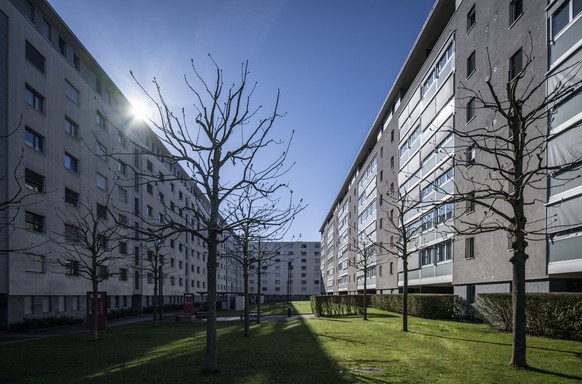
533, 369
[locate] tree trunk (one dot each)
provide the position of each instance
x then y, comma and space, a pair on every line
95, 309
155, 303
211, 347
259, 287
405, 296
365, 295
246, 328
518, 352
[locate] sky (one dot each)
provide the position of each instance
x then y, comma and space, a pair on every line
333, 61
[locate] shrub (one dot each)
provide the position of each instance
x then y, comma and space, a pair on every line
122, 313
428, 306
45, 322
337, 305
557, 315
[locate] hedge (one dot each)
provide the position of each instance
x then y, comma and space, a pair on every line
430, 306
556, 315
425, 305
45, 322
337, 305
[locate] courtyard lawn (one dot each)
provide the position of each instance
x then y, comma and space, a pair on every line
327, 350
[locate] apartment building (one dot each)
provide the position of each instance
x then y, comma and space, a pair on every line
70, 143
289, 270
414, 148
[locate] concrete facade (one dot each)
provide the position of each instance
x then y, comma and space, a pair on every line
415, 148
73, 142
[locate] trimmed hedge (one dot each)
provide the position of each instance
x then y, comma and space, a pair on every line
337, 305
121, 313
556, 315
45, 322
429, 306
425, 305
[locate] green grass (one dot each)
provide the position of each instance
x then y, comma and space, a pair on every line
299, 351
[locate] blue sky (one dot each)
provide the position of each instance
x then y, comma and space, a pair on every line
333, 61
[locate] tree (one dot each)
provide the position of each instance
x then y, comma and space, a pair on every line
88, 248
503, 166
224, 150
261, 219
403, 238
364, 261
154, 262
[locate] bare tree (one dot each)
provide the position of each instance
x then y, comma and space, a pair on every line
364, 261
503, 166
261, 219
224, 149
404, 239
89, 247
153, 267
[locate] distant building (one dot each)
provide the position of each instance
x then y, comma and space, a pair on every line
80, 144
409, 147
290, 270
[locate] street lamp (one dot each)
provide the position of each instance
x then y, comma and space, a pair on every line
289, 289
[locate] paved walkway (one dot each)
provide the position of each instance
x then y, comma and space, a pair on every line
9, 337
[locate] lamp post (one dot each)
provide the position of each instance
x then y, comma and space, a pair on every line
161, 294
289, 289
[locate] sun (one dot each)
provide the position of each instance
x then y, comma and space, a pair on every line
139, 110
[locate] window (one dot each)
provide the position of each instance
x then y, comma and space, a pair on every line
471, 64
34, 57
149, 188
471, 19
515, 64
71, 233
35, 264
122, 193
515, 10
45, 29
470, 110
102, 242
101, 211
470, 202
46, 304
33, 181
392, 136
471, 293
71, 163
121, 139
122, 274
392, 162
71, 92
101, 151
34, 222
391, 268
564, 15
98, 86
71, 197
469, 248
71, 127
101, 181
103, 272
72, 268
426, 256
62, 46
76, 62
28, 10
121, 167
100, 120
149, 166
149, 210
33, 98
470, 155
34, 140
